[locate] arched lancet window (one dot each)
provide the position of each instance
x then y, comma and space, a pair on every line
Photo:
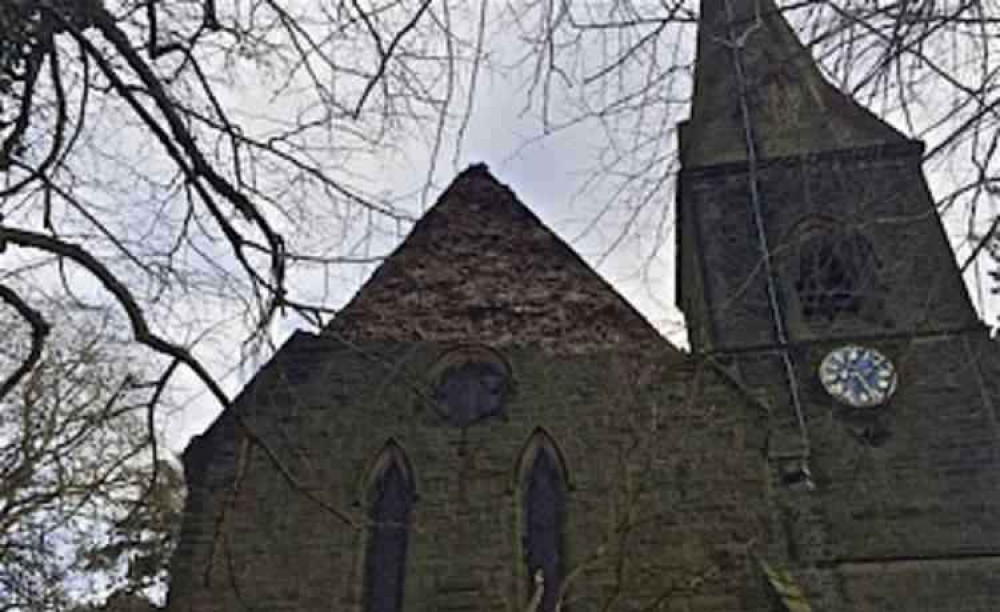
543, 498
837, 270
391, 494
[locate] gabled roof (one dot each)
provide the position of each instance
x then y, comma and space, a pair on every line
793, 109
480, 267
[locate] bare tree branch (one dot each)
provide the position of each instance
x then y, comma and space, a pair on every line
39, 331
123, 296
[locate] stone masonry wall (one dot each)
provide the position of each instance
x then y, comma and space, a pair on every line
904, 512
878, 193
666, 499
904, 504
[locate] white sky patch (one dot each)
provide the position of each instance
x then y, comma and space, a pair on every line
565, 176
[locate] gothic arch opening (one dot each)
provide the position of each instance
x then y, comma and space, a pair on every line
835, 271
390, 494
543, 492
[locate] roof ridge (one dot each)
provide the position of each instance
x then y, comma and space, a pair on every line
481, 267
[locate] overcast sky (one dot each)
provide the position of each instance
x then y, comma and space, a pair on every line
550, 176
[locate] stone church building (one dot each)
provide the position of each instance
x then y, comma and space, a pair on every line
488, 425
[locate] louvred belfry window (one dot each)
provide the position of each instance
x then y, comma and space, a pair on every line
391, 498
837, 270
544, 498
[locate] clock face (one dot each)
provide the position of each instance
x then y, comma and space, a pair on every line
858, 376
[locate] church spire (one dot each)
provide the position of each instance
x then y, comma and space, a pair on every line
747, 45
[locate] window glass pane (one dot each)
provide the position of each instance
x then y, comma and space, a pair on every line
545, 509
385, 562
472, 391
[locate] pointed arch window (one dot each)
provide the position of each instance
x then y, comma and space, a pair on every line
391, 494
543, 498
837, 270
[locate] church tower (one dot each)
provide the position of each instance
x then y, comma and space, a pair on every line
803, 216
805, 220
814, 268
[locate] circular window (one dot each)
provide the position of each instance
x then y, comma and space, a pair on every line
471, 384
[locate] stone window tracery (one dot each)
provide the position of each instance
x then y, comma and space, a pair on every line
837, 270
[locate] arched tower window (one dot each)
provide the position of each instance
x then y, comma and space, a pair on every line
391, 494
837, 270
543, 498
